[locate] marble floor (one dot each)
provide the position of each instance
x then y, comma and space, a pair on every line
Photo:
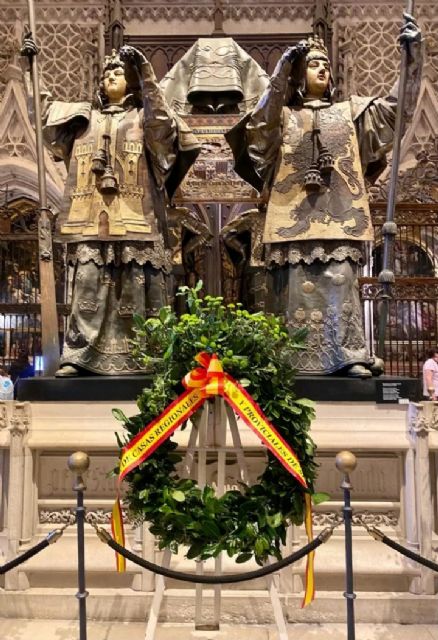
68, 630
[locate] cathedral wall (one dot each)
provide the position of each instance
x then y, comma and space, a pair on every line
367, 56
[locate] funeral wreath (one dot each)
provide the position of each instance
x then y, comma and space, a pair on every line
256, 350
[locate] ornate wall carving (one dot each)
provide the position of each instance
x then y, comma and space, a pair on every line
68, 37
177, 10
360, 518
418, 183
67, 74
367, 60
68, 516
7, 49
367, 52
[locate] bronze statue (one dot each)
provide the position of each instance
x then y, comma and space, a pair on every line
310, 158
122, 156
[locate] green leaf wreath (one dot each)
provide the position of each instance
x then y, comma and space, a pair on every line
257, 350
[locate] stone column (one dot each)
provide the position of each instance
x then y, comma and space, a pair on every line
408, 495
4, 468
30, 507
291, 581
147, 578
144, 546
19, 426
420, 425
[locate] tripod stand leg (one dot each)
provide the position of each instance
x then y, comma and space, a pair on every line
277, 608
157, 600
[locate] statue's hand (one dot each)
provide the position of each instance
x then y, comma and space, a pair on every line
297, 51
410, 31
132, 56
28, 47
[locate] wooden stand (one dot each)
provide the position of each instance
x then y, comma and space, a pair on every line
208, 434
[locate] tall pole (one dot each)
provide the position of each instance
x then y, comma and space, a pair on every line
389, 229
78, 464
49, 316
346, 463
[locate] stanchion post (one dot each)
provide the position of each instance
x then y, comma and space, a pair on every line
346, 463
78, 464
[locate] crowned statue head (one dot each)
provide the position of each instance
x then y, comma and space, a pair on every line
311, 76
117, 85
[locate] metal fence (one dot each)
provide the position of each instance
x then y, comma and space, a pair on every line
413, 317
20, 310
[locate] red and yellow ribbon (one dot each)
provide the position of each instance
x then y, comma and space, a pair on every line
118, 533
309, 592
201, 383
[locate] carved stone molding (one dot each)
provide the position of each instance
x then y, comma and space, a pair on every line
3, 416
55, 12
204, 11
423, 417
20, 419
265, 12
18, 170
360, 518
144, 13
372, 11
68, 516
418, 183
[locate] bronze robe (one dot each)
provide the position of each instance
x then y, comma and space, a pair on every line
313, 277
116, 254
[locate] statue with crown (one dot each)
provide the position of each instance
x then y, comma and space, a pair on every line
125, 157
310, 158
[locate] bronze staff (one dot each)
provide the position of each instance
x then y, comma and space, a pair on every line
49, 317
389, 229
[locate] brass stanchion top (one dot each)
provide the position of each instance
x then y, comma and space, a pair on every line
346, 462
78, 462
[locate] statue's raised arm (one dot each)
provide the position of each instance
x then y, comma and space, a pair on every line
171, 145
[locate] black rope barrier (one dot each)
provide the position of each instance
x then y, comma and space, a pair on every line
378, 535
52, 537
215, 579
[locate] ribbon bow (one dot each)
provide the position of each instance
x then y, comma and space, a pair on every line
209, 377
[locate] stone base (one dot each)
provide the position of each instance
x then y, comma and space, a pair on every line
122, 605
68, 630
124, 388
36, 438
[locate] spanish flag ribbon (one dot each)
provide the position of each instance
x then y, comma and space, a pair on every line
118, 533
201, 383
309, 593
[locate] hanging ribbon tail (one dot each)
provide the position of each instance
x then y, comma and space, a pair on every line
118, 532
309, 593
